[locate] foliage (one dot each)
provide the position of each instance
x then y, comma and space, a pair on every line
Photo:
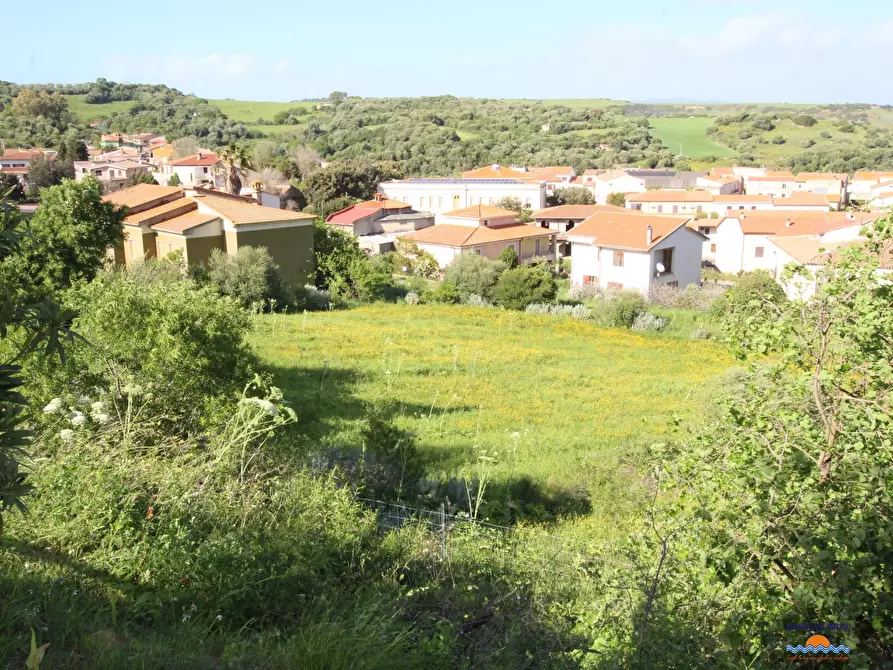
11, 188
649, 322
617, 199
477, 301
237, 163
573, 195
622, 308
804, 120
145, 178
35, 104
174, 180
510, 202
693, 297
185, 146
586, 292
251, 277
508, 257
45, 173
343, 269
472, 274
519, 287
69, 235
412, 298
446, 292
352, 181
420, 263
750, 304
575, 311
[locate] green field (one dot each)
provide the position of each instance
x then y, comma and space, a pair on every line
249, 111
87, 113
573, 102
566, 404
272, 131
688, 136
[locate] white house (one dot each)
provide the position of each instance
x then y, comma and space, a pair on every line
863, 182
719, 184
563, 218
616, 181
824, 183
554, 176
201, 169
443, 194
671, 202
113, 174
741, 239
802, 200
774, 183
635, 251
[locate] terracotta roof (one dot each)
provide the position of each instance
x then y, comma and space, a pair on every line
592, 172
885, 260
628, 230
744, 198
821, 176
162, 212
722, 171
886, 194
611, 175
196, 160
20, 154
180, 224
242, 212
671, 196
574, 211
801, 199
452, 235
832, 197
550, 173
804, 222
15, 170
779, 173
480, 212
361, 210
872, 176
140, 194
803, 248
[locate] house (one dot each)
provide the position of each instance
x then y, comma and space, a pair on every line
824, 183
637, 181
863, 182
110, 140
802, 200
166, 219
444, 194
812, 252
486, 231
556, 176
740, 238
616, 181
162, 152
203, 168
564, 218
671, 202
741, 202
112, 174
18, 161
774, 183
625, 250
724, 184
378, 222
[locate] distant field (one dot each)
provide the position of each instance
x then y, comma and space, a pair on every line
87, 113
573, 102
249, 111
688, 136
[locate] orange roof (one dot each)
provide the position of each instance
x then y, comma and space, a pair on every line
832, 197
774, 178
575, 211
628, 230
361, 210
480, 212
886, 194
804, 222
803, 248
164, 211
801, 199
239, 212
872, 176
20, 154
179, 225
15, 170
821, 176
141, 194
779, 173
744, 198
196, 160
722, 172
885, 258
671, 196
549, 173
451, 235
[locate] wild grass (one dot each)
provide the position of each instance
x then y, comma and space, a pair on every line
687, 136
86, 113
556, 403
249, 111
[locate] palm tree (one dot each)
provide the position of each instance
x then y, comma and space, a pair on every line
237, 164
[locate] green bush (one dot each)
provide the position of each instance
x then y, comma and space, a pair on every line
508, 257
446, 292
749, 303
622, 308
174, 180
472, 274
163, 348
251, 277
523, 286
343, 269
778, 139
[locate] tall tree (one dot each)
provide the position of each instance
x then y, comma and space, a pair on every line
237, 164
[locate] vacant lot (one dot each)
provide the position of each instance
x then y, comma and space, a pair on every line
249, 111
564, 403
688, 136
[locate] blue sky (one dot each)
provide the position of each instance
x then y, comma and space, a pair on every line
705, 50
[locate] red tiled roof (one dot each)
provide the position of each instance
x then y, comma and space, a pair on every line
180, 224
196, 160
575, 211
354, 213
20, 155
804, 222
452, 235
628, 230
480, 212
15, 170
801, 199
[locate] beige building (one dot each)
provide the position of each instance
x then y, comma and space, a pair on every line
439, 195
164, 219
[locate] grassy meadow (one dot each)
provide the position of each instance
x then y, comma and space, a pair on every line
249, 111
689, 135
87, 113
559, 404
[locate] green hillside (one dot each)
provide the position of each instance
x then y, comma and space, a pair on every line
687, 136
87, 113
249, 111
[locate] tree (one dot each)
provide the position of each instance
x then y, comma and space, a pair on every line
306, 159
11, 188
142, 178
236, 162
69, 236
508, 257
524, 286
185, 146
351, 181
44, 173
28, 323
337, 95
174, 180
35, 104
472, 274
250, 276
573, 195
617, 199
72, 149
510, 202
682, 164
341, 266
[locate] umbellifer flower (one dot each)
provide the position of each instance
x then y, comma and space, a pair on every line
77, 419
66, 434
53, 406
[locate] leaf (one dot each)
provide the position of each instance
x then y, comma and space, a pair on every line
36, 656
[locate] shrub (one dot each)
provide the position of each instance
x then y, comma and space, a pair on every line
575, 311
749, 303
539, 308
472, 274
522, 286
586, 292
164, 348
825, 135
622, 308
174, 180
311, 298
699, 334
420, 263
778, 139
412, 298
807, 142
804, 120
508, 257
446, 292
649, 321
847, 128
477, 301
343, 269
616, 199
251, 277
745, 134
389, 262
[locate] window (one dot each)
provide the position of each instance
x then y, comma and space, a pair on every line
588, 279
618, 259
700, 209
674, 284
570, 226
527, 204
478, 252
784, 186
704, 229
455, 202
486, 222
712, 248
741, 208
660, 209
758, 252
638, 206
753, 206
205, 170
675, 209
440, 203
666, 257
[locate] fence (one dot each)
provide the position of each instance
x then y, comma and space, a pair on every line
528, 546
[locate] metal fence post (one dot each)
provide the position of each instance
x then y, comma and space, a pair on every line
442, 533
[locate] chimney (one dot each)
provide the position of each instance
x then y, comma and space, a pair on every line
649, 235
377, 197
258, 188
788, 223
198, 154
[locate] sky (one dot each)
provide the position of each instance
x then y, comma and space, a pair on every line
641, 50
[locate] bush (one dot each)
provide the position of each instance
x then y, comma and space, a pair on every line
522, 286
586, 292
745, 134
847, 128
311, 298
576, 311
778, 139
163, 349
343, 269
699, 334
389, 262
622, 308
749, 302
825, 135
649, 322
616, 199
251, 277
804, 120
412, 298
446, 292
174, 180
477, 301
508, 257
807, 142
472, 274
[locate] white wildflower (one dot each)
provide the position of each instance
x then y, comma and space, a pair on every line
77, 418
84, 400
53, 406
219, 617
66, 434
102, 418
265, 405
98, 406
515, 436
